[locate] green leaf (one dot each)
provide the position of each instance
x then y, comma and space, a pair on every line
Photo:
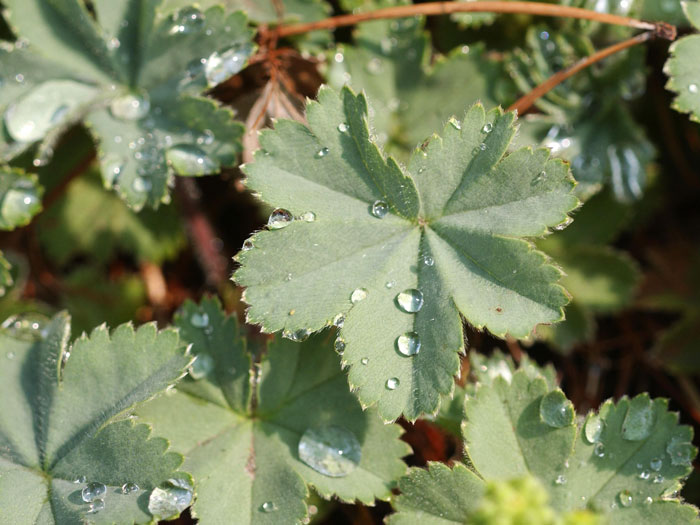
625, 462
87, 221
133, 77
6, 279
67, 418
457, 243
409, 98
251, 442
671, 11
20, 198
682, 68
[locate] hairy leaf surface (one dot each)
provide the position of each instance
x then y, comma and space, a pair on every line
64, 419
248, 441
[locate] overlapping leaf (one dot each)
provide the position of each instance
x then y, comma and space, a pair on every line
63, 420
133, 77
20, 198
682, 67
624, 462
254, 450
446, 232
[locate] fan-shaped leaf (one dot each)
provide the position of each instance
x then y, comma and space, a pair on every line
298, 426
682, 67
63, 422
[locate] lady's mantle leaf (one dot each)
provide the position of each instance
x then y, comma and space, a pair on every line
133, 77
624, 462
6, 279
63, 423
266, 446
401, 252
682, 67
20, 198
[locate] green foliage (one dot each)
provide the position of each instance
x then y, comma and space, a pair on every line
20, 198
682, 67
624, 462
296, 426
66, 417
444, 244
6, 279
133, 78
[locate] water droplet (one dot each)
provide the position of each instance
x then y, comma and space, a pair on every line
112, 166
27, 327
132, 106
693, 88
561, 479
380, 209
358, 295
599, 450
10, 355
410, 300
288, 277
141, 185
308, 216
639, 419
223, 64
199, 319
80, 479
330, 449
658, 478
113, 43
390, 284
680, 450
339, 345
202, 366
656, 464
544, 35
188, 159
555, 410
96, 506
93, 491
648, 500
364, 360
185, 21
129, 487
170, 499
644, 474
593, 428
428, 260
482, 146
392, 383
296, 335
321, 153
279, 218
375, 66
247, 245
408, 344
268, 506
343, 127
339, 321
488, 127
625, 498
455, 124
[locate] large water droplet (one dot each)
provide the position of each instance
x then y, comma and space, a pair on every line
247, 245
170, 499
132, 106
93, 491
339, 345
129, 487
693, 88
408, 343
359, 294
380, 209
330, 449
488, 127
625, 498
680, 450
296, 335
593, 428
410, 300
555, 410
226, 63
188, 159
639, 419
187, 20
268, 506
202, 366
279, 218
656, 464
392, 383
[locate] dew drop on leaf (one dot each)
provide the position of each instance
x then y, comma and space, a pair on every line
93, 491
380, 209
199, 319
202, 366
10, 355
188, 159
80, 479
644, 474
331, 450
223, 64
364, 360
681, 451
693, 88
390, 284
339, 345
308, 216
339, 321
482, 146
625, 498
639, 419
296, 335
322, 153
428, 260
488, 127
599, 450
129, 487
410, 300
247, 245
561, 479
141, 185
113, 165
268, 506
170, 499
358, 295
593, 428
392, 383
555, 410
656, 464
408, 344
279, 218
185, 21
27, 327
96, 506
132, 106
343, 127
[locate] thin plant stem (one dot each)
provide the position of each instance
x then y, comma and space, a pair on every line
526, 101
444, 8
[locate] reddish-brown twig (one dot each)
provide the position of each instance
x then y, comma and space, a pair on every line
443, 8
526, 101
